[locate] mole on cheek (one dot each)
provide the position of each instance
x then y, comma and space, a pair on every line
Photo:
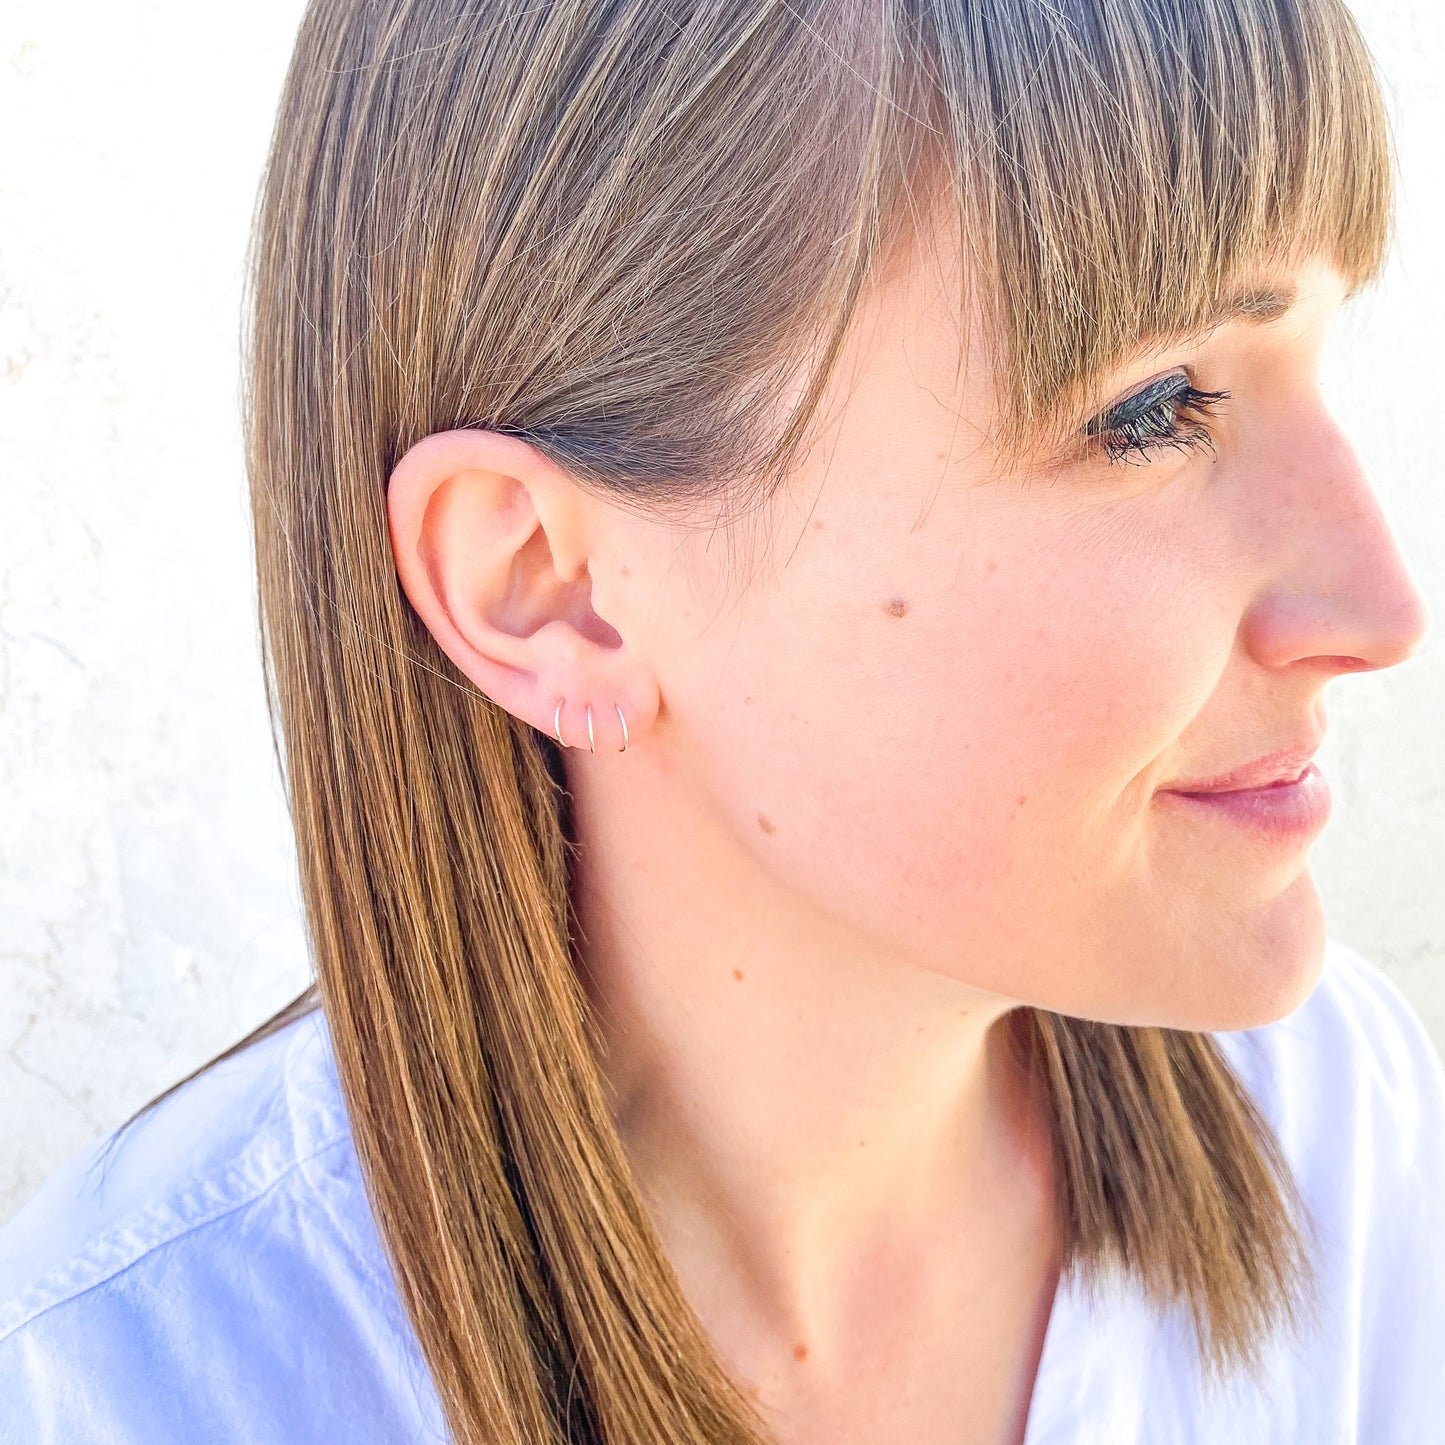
738, 974
897, 608
767, 824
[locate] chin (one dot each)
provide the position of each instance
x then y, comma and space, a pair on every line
1264, 965
1203, 972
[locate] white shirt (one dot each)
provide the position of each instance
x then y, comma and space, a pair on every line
219, 1278
1355, 1090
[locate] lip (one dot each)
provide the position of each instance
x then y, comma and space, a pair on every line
1284, 766
1285, 811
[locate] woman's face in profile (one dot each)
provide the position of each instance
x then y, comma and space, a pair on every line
937, 705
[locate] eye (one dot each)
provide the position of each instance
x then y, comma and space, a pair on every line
1167, 412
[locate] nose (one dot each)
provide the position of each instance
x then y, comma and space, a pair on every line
1339, 592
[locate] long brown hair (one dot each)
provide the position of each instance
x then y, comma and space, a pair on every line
616, 228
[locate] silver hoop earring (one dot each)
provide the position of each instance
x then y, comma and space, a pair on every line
591, 735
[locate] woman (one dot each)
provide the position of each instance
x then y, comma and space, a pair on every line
799, 553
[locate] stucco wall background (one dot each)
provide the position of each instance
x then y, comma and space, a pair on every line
148, 913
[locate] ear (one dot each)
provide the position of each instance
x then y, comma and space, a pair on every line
492, 543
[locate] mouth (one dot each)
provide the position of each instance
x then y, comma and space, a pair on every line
1287, 782
1287, 809
1285, 767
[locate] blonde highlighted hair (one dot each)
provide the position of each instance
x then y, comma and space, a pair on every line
616, 229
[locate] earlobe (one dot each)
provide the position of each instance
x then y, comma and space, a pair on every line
491, 547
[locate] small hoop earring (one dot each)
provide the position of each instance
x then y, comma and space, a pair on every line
591, 736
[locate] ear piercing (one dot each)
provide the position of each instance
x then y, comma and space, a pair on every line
591, 739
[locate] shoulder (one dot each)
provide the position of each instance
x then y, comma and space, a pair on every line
186, 1277
215, 1146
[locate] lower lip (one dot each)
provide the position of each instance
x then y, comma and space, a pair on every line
1284, 810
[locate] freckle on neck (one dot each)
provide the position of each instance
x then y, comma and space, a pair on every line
897, 608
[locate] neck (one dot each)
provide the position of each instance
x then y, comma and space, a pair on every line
798, 1105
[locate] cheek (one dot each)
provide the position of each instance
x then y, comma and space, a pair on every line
940, 761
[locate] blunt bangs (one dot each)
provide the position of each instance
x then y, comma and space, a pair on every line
1122, 166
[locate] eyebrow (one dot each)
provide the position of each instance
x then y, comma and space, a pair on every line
1254, 304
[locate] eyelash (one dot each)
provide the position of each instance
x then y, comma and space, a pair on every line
1157, 426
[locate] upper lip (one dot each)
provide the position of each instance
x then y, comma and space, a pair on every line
1281, 767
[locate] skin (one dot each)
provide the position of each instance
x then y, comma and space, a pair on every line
895, 753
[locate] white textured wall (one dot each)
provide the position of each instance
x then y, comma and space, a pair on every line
147, 907
148, 914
